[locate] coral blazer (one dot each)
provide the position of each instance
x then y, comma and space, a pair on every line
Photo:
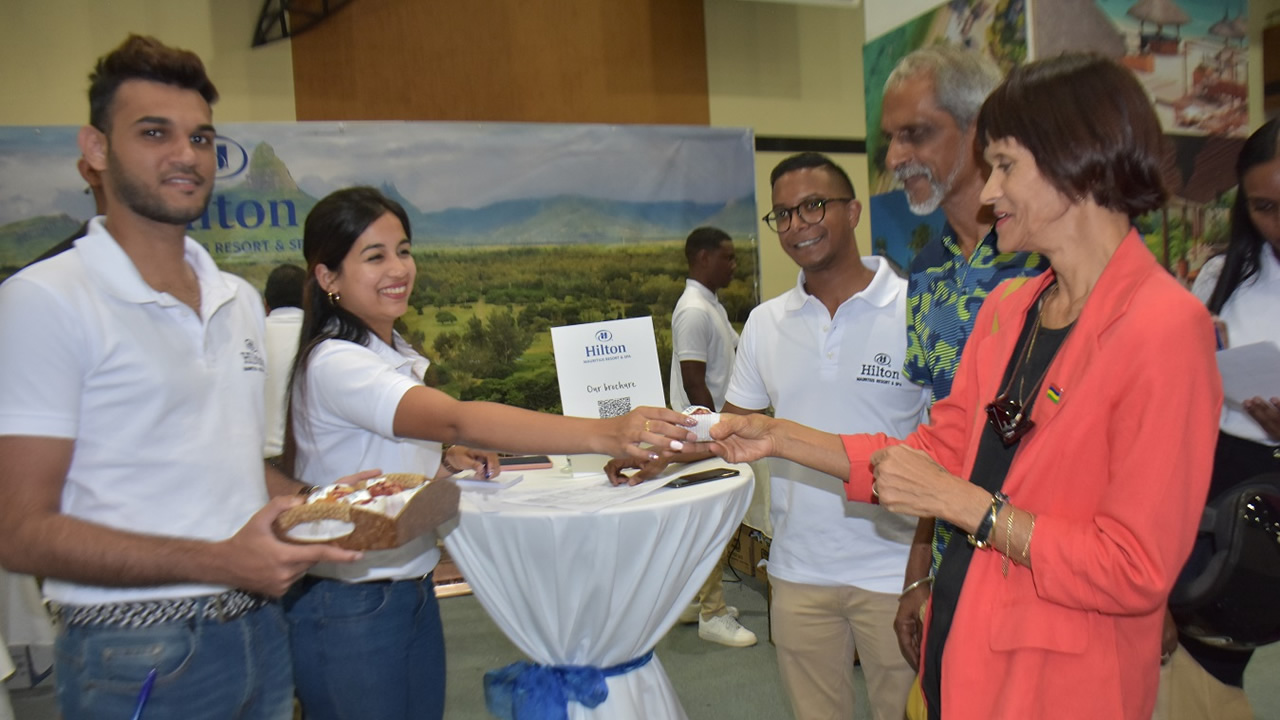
1116, 471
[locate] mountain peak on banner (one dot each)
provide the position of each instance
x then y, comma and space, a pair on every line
267, 172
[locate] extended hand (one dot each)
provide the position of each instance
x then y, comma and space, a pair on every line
648, 433
254, 559
648, 469
743, 438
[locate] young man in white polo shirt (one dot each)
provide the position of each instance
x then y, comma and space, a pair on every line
828, 353
131, 428
702, 346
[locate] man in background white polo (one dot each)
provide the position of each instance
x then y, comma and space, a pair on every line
283, 296
702, 346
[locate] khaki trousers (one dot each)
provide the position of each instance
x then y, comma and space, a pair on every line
817, 630
1188, 692
711, 596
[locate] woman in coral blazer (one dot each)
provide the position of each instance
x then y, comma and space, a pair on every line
1076, 446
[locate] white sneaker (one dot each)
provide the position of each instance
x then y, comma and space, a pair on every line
726, 630
693, 613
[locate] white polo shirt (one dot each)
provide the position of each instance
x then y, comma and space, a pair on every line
1250, 317
165, 406
700, 330
284, 325
351, 395
839, 374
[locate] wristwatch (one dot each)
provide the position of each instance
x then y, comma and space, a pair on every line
981, 538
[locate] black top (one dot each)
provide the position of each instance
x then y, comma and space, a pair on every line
990, 468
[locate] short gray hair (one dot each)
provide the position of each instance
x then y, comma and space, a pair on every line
962, 79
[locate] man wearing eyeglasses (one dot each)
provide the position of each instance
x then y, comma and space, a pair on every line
828, 353
931, 99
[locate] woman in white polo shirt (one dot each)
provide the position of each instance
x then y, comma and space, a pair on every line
366, 638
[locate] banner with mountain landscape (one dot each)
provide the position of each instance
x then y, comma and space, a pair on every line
516, 227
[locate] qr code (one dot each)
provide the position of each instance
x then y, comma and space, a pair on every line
613, 407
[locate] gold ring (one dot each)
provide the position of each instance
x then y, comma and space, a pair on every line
646, 426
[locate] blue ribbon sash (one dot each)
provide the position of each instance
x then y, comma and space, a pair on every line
528, 691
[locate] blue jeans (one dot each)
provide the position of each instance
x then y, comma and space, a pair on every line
367, 650
206, 669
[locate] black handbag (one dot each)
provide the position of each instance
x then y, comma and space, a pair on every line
1228, 594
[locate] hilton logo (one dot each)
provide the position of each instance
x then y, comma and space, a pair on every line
252, 357
602, 348
881, 370
232, 157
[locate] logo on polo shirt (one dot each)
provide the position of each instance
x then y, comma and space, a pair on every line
253, 361
881, 370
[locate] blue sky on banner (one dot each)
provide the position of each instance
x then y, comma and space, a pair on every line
437, 166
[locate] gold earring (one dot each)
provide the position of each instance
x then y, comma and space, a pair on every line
334, 298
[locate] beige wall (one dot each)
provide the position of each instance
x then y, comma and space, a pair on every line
792, 71
47, 48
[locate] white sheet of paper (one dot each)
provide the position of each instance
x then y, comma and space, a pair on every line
1250, 371
607, 368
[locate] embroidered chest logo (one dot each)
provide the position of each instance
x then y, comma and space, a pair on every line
253, 361
881, 371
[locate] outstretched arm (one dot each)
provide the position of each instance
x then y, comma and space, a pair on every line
744, 438
428, 414
39, 540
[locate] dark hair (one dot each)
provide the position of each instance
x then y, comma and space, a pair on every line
284, 287
807, 160
1089, 125
331, 229
141, 57
1246, 245
704, 238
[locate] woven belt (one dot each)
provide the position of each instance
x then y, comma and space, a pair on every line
223, 607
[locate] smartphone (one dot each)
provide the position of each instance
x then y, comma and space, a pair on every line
524, 462
701, 477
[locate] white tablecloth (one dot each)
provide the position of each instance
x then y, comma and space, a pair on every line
600, 589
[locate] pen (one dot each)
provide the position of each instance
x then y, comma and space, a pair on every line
144, 694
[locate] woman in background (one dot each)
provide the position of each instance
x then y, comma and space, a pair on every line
367, 638
1075, 447
1242, 292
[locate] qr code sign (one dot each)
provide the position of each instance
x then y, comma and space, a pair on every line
613, 407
